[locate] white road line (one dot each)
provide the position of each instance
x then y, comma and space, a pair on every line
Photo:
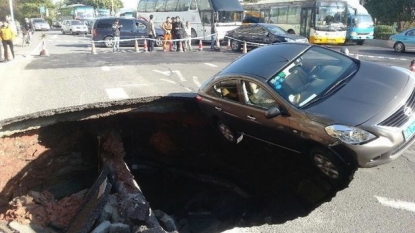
210, 64
188, 89
105, 68
167, 73
116, 93
168, 80
180, 75
403, 59
196, 81
397, 204
54, 36
381, 57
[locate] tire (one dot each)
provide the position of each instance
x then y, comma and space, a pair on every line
63, 32
236, 46
108, 41
227, 133
399, 47
360, 42
159, 41
330, 165
70, 32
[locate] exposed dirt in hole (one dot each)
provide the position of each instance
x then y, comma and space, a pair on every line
179, 161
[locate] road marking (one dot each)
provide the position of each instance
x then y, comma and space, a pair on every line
379, 57
180, 75
188, 89
196, 81
168, 80
54, 36
116, 93
210, 64
397, 204
105, 68
167, 73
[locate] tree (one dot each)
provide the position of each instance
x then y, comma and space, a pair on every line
389, 11
98, 3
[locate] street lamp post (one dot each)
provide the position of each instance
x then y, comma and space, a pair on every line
11, 10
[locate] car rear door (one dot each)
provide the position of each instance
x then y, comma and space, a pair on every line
141, 31
127, 32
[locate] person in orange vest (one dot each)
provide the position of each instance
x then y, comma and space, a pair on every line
412, 66
167, 27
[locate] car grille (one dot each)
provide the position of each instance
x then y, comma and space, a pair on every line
399, 118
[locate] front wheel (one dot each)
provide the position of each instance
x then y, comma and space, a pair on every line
108, 41
360, 42
235, 45
330, 165
399, 47
159, 41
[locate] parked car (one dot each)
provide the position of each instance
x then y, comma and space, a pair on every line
74, 27
132, 28
56, 24
258, 34
404, 41
340, 112
39, 24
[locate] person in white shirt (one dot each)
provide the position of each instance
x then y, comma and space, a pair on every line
188, 30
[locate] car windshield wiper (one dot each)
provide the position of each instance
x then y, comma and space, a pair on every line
339, 84
336, 86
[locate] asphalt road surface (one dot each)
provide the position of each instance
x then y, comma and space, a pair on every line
379, 199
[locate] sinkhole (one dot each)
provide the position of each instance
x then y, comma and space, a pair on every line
157, 165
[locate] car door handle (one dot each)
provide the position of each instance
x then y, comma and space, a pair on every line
219, 109
251, 117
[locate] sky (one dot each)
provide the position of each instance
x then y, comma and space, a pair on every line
130, 3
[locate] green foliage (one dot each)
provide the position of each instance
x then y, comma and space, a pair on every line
389, 11
97, 3
383, 32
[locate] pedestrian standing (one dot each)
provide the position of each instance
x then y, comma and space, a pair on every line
7, 37
179, 29
116, 36
173, 32
188, 30
214, 32
151, 32
167, 26
1, 43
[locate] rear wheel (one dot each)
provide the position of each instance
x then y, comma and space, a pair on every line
330, 165
227, 132
399, 47
235, 45
108, 41
63, 31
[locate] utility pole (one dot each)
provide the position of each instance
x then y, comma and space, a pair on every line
11, 10
112, 8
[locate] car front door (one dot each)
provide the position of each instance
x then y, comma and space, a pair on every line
276, 130
409, 40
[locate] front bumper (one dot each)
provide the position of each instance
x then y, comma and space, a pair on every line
377, 152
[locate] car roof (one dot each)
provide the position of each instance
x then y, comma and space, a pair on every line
264, 62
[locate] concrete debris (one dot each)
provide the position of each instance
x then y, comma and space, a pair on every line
104, 227
167, 221
119, 228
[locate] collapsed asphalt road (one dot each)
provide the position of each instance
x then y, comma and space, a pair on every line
191, 179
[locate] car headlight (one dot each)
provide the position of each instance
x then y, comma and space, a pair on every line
349, 135
289, 40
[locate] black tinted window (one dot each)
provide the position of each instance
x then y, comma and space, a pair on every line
126, 24
104, 24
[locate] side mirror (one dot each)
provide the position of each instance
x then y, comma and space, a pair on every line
272, 112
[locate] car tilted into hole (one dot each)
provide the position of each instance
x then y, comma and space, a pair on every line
341, 112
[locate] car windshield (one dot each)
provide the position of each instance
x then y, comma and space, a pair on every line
77, 23
39, 21
276, 30
312, 76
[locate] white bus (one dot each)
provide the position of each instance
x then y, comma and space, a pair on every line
76, 11
321, 21
228, 14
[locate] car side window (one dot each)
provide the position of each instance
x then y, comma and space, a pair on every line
411, 33
104, 24
256, 95
126, 24
140, 26
226, 90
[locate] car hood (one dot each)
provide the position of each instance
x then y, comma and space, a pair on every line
373, 88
